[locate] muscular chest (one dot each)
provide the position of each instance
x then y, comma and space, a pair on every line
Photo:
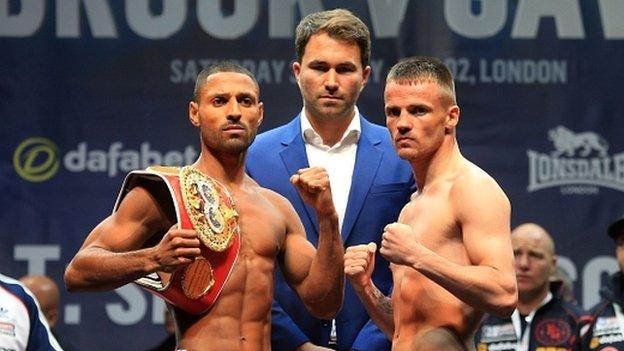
261, 226
432, 219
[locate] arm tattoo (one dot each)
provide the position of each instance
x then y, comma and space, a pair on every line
384, 303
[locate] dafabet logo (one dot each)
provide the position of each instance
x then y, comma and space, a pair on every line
37, 159
579, 164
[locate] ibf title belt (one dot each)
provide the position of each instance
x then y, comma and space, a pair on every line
205, 205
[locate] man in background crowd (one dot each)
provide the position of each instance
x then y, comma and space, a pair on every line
606, 331
543, 318
48, 295
23, 325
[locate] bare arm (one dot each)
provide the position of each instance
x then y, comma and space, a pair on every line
483, 213
359, 263
111, 255
316, 275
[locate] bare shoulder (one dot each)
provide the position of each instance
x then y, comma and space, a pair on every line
473, 185
407, 211
145, 205
271, 198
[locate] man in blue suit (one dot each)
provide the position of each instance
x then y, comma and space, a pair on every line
370, 184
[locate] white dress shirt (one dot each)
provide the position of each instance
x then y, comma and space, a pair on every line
338, 160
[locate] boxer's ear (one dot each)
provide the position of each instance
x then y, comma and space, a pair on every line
452, 118
296, 68
193, 113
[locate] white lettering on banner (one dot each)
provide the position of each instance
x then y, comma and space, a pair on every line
505, 71
134, 308
36, 256
523, 71
150, 26
611, 14
116, 159
158, 306
568, 266
234, 26
266, 71
22, 24
282, 15
593, 273
488, 22
459, 15
99, 17
566, 13
381, 12
548, 171
579, 164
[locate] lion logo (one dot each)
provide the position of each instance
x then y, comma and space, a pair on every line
566, 141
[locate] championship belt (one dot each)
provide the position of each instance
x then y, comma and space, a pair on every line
205, 205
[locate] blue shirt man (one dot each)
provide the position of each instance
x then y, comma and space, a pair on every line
370, 184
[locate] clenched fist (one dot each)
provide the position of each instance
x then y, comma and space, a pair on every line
313, 185
399, 244
359, 262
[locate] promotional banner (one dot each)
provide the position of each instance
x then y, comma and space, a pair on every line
91, 89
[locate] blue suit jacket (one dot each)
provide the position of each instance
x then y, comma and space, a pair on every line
381, 185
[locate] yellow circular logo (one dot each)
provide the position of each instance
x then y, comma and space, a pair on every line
36, 159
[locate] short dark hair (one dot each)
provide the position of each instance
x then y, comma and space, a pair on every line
616, 228
422, 68
223, 66
338, 24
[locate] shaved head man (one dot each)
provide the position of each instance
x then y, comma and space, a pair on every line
47, 293
543, 318
535, 259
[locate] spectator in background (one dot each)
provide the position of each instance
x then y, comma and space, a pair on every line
542, 318
369, 182
23, 325
48, 295
606, 331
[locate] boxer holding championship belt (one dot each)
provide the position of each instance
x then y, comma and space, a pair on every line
203, 204
178, 233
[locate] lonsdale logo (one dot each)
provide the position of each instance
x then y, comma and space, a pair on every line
579, 164
36, 159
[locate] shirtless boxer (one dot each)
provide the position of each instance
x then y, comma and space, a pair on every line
142, 236
450, 251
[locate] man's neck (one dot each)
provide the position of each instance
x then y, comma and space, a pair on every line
330, 130
439, 165
227, 169
528, 303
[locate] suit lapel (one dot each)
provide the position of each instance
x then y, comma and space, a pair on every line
294, 157
367, 161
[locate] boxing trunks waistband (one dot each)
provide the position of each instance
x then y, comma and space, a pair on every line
203, 204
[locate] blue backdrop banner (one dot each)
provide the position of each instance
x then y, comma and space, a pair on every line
92, 89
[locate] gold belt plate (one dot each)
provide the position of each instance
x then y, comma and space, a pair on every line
210, 208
